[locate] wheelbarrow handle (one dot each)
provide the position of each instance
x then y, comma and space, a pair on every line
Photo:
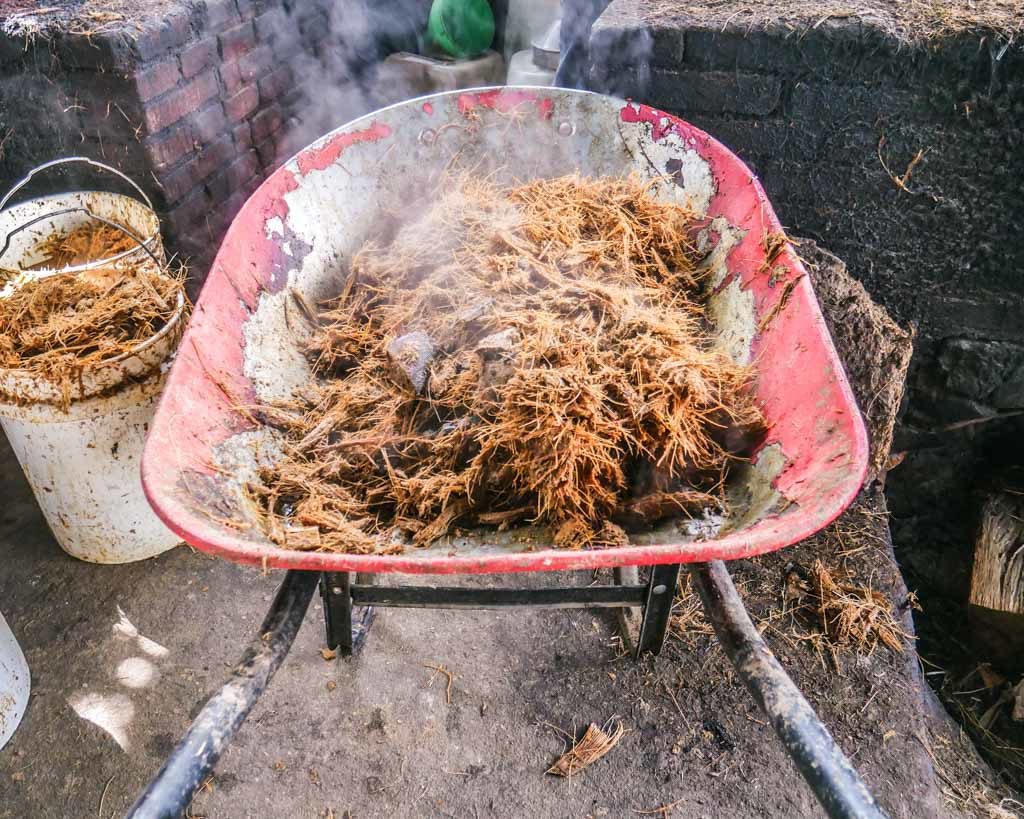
820, 761
172, 789
66, 161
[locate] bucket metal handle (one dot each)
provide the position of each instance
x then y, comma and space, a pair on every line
67, 160
129, 233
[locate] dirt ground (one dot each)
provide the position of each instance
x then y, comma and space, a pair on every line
376, 736
122, 658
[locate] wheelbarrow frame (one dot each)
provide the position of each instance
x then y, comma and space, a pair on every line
814, 424
814, 752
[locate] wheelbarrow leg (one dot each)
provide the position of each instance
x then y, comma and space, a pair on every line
336, 592
661, 593
346, 627
837, 785
172, 789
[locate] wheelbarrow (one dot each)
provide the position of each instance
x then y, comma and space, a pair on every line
243, 346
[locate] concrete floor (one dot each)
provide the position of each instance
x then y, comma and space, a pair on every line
122, 657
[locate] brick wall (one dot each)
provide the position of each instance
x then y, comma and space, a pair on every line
198, 104
815, 110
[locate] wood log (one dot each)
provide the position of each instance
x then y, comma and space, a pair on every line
996, 609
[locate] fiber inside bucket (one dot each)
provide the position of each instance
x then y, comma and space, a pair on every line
537, 352
56, 326
88, 242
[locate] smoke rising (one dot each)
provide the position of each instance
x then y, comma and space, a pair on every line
337, 80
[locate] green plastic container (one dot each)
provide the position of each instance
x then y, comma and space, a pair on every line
461, 28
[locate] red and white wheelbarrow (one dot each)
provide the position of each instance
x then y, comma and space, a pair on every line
294, 235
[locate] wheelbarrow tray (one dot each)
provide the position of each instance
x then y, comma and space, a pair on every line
243, 344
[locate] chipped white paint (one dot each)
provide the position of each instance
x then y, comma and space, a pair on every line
273, 353
684, 175
274, 227
752, 493
731, 309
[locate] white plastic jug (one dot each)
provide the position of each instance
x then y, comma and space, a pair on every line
14, 682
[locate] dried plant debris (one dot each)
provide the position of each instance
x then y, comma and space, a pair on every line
909, 22
89, 242
533, 353
592, 746
688, 622
848, 616
56, 326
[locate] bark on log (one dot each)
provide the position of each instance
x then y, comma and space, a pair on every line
997, 581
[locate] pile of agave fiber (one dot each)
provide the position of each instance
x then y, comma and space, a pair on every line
534, 353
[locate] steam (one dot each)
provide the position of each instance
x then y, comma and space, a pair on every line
338, 83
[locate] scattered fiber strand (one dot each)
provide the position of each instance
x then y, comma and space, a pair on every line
848, 616
533, 353
594, 745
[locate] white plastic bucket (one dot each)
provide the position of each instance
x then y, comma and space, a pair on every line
14, 682
83, 462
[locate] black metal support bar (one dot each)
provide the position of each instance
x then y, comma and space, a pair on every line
837, 785
336, 592
171, 791
660, 594
574, 597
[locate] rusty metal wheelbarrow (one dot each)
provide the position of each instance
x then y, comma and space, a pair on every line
295, 232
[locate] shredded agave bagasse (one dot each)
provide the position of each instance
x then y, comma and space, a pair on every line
90, 241
534, 353
56, 326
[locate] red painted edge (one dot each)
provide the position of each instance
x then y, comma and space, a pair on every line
800, 379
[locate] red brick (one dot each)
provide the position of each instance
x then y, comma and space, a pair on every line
275, 84
266, 122
267, 151
274, 24
155, 79
220, 14
229, 210
242, 170
155, 38
218, 187
237, 41
190, 214
177, 183
165, 151
209, 123
242, 134
256, 63
287, 45
242, 104
212, 157
230, 77
196, 57
182, 101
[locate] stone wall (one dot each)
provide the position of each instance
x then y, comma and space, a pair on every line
828, 111
197, 101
